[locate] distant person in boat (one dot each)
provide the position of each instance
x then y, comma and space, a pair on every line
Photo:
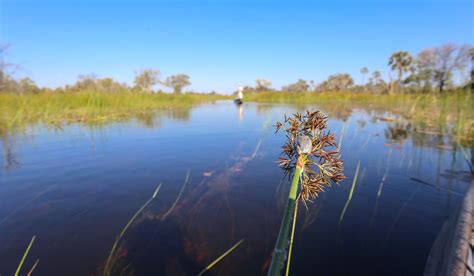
240, 95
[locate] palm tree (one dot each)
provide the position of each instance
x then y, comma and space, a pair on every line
400, 61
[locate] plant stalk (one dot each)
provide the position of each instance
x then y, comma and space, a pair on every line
282, 242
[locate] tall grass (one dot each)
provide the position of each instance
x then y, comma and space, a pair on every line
53, 108
450, 113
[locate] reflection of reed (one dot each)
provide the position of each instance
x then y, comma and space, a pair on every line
400, 212
26, 203
379, 191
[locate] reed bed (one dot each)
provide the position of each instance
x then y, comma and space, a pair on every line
92, 107
450, 113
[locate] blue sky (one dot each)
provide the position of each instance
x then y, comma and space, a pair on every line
223, 43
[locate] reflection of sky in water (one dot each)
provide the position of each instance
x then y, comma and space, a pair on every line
75, 188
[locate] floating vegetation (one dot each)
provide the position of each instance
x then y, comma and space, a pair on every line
220, 258
312, 156
17, 272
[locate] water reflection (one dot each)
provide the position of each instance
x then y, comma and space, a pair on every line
75, 192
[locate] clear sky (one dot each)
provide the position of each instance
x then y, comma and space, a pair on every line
223, 43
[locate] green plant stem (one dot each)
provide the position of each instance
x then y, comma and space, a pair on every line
350, 193
290, 248
24, 256
220, 258
282, 241
186, 180
122, 233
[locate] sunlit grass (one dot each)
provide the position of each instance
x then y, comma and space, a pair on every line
450, 113
93, 107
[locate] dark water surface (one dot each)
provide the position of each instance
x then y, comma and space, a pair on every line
76, 187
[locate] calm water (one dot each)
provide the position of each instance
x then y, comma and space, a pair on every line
77, 186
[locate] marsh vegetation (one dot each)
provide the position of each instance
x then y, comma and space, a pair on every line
83, 190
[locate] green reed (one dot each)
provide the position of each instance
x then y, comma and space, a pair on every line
311, 155
17, 272
88, 106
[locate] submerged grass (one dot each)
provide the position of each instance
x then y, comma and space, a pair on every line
220, 257
111, 257
91, 107
186, 180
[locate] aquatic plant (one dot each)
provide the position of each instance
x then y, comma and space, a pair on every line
112, 254
24, 256
51, 108
349, 199
220, 257
450, 113
312, 156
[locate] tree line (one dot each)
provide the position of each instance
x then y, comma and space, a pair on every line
145, 81
434, 69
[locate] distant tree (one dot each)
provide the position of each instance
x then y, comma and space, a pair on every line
108, 85
400, 61
376, 84
422, 70
376, 75
299, 86
6, 70
448, 59
145, 79
247, 89
337, 82
471, 52
27, 85
85, 82
364, 71
177, 82
263, 85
